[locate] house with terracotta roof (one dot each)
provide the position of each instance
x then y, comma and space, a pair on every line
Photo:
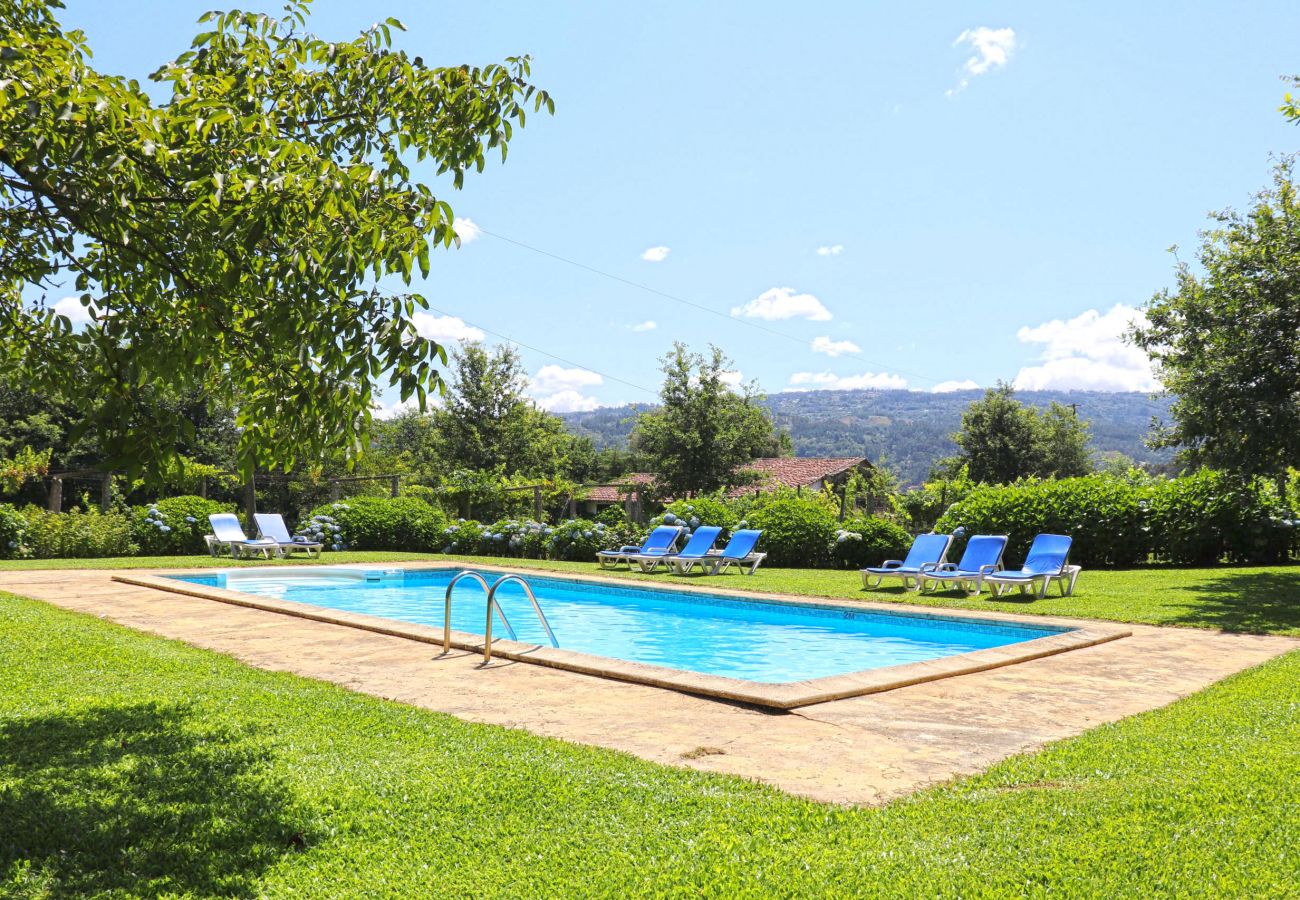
801, 473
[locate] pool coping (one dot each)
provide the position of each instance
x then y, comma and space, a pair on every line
783, 696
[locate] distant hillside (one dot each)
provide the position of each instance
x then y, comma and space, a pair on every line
909, 430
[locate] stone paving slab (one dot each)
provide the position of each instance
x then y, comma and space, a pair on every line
866, 749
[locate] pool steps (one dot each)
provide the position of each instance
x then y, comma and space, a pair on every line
491, 606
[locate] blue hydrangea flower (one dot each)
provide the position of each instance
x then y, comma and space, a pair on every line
164, 528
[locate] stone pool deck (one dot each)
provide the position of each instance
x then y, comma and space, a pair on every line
865, 749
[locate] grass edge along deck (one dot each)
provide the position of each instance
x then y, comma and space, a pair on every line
788, 695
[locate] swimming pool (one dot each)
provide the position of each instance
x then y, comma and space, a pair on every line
760, 641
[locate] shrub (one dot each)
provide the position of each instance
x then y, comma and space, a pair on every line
612, 515
13, 533
869, 542
1115, 520
463, 536
577, 539
78, 535
511, 537
174, 526
1207, 516
1103, 514
696, 512
797, 530
377, 523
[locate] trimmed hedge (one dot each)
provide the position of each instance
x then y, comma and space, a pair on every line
1199, 519
78, 535
377, 523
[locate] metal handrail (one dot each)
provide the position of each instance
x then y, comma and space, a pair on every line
492, 601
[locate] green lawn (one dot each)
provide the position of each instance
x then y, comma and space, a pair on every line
1259, 599
131, 765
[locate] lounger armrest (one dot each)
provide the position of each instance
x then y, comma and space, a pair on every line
988, 570
939, 567
891, 564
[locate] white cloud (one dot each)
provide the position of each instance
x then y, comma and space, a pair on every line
827, 381
992, 50
647, 325
445, 329
834, 348
552, 379
383, 410
567, 401
1087, 353
656, 254
72, 308
783, 303
833, 250
947, 387
731, 379
466, 230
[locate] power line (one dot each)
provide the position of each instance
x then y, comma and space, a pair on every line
567, 362
700, 306
722, 315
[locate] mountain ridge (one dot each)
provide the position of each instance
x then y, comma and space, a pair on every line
908, 430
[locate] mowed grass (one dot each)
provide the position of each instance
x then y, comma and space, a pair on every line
132, 765
1255, 599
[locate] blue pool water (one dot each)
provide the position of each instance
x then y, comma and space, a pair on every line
770, 643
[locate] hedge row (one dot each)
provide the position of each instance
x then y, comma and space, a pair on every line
171, 527
1198, 519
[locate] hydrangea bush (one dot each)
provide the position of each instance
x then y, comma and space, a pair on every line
175, 526
862, 542
577, 539
377, 523
13, 533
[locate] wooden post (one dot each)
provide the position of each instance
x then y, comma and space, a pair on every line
56, 494
397, 485
573, 507
844, 502
106, 491
537, 502
334, 490
203, 486
250, 500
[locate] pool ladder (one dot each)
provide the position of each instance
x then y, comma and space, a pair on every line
493, 606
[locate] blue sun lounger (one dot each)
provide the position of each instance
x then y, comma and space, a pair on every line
928, 552
696, 550
659, 542
739, 552
271, 526
1048, 561
981, 558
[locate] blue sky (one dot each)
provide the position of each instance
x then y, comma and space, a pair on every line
911, 198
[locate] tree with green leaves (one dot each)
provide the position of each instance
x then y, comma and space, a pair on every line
1001, 439
232, 236
490, 425
1226, 341
704, 431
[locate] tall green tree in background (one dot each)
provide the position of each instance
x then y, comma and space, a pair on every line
490, 425
704, 432
1001, 440
229, 237
1226, 343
